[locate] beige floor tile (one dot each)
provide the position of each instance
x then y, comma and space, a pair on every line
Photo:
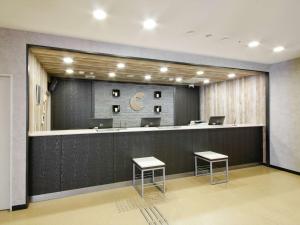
256, 195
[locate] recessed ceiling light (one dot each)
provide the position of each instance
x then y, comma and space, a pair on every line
81, 72
90, 76
121, 65
164, 69
206, 81
91, 73
253, 44
231, 75
149, 24
68, 60
147, 77
99, 14
200, 72
278, 49
69, 71
111, 74
178, 79
171, 79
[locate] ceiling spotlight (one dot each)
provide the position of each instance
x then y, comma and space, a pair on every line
99, 14
253, 44
200, 72
164, 69
81, 72
111, 74
90, 76
231, 75
178, 79
68, 60
147, 77
206, 81
121, 65
278, 49
91, 73
149, 24
171, 79
69, 71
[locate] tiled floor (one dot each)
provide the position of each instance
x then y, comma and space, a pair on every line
254, 196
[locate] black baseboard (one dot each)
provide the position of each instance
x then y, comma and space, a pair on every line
19, 207
283, 169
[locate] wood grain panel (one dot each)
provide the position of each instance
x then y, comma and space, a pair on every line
241, 100
44, 165
39, 114
135, 70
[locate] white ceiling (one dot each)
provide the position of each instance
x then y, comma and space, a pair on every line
272, 22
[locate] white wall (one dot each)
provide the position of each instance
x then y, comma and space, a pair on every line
285, 115
13, 61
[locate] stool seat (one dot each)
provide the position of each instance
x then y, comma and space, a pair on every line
211, 155
148, 162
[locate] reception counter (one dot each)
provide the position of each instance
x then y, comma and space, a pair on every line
72, 159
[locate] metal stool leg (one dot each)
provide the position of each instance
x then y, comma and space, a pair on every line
133, 174
153, 176
196, 166
164, 180
211, 172
226, 170
142, 174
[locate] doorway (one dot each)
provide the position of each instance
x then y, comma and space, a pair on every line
5, 140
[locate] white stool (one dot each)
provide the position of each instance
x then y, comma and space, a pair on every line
149, 164
211, 157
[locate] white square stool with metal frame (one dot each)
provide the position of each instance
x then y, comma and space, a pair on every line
211, 157
149, 164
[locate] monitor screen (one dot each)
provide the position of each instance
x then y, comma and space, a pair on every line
100, 123
150, 122
216, 120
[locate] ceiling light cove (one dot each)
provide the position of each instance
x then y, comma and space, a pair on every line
121, 65
200, 72
231, 75
99, 14
149, 24
112, 74
164, 69
206, 81
69, 71
278, 49
147, 77
178, 79
68, 60
253, 44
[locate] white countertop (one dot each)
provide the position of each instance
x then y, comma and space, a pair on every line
136, 129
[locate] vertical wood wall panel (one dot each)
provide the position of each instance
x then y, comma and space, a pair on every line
241, 100
39, 114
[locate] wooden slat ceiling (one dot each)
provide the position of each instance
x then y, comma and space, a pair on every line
134, 71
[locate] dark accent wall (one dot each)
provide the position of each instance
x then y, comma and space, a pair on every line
187, 105
71, 104
59, 163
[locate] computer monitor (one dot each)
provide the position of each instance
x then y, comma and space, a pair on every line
216, 120
100, 123
150, 122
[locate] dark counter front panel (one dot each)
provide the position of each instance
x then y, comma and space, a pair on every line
59, 163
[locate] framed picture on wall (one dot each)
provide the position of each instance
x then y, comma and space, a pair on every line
38, 94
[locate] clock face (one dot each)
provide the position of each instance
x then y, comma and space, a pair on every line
136, 101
